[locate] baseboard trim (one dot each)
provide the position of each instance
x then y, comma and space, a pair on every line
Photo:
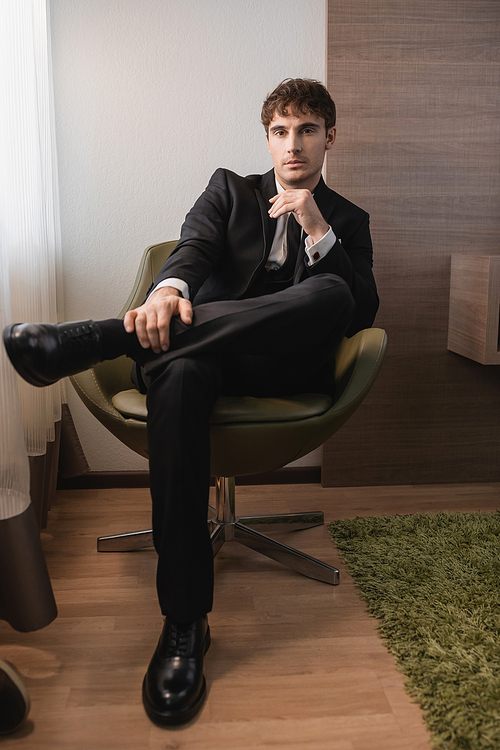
106, 480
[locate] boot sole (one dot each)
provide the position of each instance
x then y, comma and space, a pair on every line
15, 358
173, 718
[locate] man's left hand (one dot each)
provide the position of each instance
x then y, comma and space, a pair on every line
303, 206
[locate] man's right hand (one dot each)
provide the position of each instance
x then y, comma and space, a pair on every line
151, 321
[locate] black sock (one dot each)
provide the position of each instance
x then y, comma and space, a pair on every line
116, 341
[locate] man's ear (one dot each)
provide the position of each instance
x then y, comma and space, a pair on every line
330, 138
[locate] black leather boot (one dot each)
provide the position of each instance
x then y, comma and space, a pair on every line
174, 686
43, 353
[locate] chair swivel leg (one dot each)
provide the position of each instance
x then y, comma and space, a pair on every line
289, 556
133, 540
284, 521
228, 527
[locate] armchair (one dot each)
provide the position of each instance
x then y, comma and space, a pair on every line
248, 435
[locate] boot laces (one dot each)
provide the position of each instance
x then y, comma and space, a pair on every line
177, 640
77, 338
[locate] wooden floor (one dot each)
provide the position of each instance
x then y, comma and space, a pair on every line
294, 663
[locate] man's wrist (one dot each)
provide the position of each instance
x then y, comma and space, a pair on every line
174, 283
173, 290
165, 291
319, 233
318, 250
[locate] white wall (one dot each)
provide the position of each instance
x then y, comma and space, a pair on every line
151, 96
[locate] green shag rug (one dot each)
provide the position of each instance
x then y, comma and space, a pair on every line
434, 582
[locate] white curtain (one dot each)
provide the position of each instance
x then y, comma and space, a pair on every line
29, 271
29, 213
14, 469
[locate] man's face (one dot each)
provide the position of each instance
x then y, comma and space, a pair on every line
298, 143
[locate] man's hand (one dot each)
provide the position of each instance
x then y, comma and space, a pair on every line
151, 321
303, 206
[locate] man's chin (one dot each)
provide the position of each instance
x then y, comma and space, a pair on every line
295, 177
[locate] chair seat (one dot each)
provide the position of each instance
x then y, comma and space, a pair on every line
229, 409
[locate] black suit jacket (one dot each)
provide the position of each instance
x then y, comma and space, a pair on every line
227, 236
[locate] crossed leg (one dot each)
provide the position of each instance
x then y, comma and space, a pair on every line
277, 344
270, 345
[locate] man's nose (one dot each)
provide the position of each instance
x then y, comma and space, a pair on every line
293, 143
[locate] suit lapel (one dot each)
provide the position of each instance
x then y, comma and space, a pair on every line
264, 192
325, 200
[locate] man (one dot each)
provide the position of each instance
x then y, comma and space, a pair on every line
270, 272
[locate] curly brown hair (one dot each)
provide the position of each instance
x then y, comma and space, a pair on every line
299, 95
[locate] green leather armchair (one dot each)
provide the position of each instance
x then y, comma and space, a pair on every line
248, 435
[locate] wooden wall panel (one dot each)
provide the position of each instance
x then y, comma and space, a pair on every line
417, 86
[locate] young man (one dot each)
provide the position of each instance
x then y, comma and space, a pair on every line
270, 272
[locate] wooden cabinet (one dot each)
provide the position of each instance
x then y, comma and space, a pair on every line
474, 315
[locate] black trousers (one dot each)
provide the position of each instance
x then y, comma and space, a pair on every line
277, 344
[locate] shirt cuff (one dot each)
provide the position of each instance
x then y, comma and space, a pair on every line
178, 284
317, 251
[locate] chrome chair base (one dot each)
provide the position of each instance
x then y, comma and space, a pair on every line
225, 526
129, 542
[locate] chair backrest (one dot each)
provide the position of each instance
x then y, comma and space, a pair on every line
150, 266
114, 375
